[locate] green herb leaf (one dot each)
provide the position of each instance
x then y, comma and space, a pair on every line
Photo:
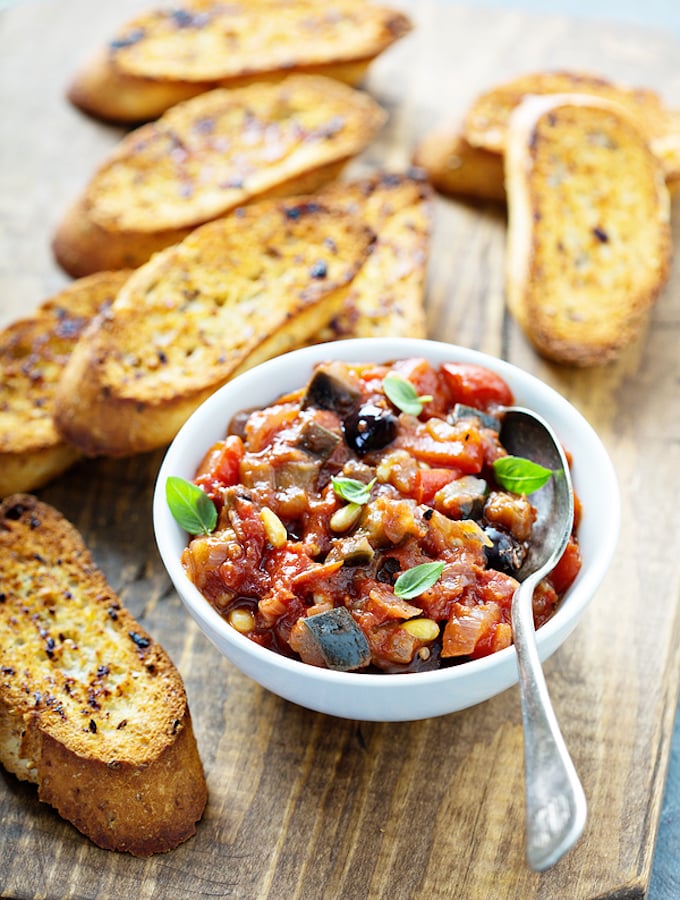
519, 475
190, 506
351, 490
404, 396
414, 581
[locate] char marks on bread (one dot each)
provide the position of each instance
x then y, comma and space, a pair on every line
589, 242
208, 156
167, 55
92, 710
33, 353
237, 291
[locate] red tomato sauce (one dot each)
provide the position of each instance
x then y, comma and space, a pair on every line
289, 546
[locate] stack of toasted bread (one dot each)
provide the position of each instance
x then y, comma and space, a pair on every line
208, 156
190, 268
585, 166
167, 55
124, 357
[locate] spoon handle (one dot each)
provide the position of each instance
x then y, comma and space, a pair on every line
555, 802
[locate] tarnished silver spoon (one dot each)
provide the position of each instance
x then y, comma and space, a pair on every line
555, 803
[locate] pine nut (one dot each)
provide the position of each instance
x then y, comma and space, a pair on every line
241, 619
273, 527
424, 629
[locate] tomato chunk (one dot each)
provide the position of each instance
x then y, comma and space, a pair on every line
442, 445
220, 466
476, 386
428, 482
566, 570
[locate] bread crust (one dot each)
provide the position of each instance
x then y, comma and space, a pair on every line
208, 156
92, 709
486, 121
466, 159
234, 293
33, 353
589, 242
456, 168
163, 57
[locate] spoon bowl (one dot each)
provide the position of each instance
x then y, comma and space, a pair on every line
555, 802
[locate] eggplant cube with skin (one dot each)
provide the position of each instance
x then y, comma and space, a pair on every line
337, 639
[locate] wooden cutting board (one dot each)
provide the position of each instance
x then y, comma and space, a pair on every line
307, 806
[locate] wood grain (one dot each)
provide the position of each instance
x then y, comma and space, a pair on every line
304, 805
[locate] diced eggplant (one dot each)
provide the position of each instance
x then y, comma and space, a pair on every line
331, 387
369, 428
463, 498
339, 640
353, 550
510, 512
317, 440
296, 473
507, 554
461, 411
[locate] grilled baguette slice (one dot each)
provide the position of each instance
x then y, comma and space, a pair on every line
486, 121
166, 55
387, 297
589, 243
33, 353
456, 168
208, 156
467, 159
234, 293
92, 710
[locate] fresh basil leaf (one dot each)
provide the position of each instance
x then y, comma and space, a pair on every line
519, 475
190, 506
351, 490
404, 396
415, 581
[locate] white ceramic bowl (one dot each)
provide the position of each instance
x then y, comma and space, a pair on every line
380, 697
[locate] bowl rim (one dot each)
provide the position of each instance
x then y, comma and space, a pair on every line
548, 637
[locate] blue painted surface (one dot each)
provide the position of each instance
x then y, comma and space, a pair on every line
665, 883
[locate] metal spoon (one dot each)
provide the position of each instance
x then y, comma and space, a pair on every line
555, 803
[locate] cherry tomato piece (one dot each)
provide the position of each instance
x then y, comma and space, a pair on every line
476, 386
221, 466
566, 570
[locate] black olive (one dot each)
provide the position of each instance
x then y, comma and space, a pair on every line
371, 427
507, 553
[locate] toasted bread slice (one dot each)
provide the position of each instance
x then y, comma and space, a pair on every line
487, 118
92, 710
207, 156
456, 168
589, 241
486, 122
33, 353
167, 55
467, 160
387, 297
234, 293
